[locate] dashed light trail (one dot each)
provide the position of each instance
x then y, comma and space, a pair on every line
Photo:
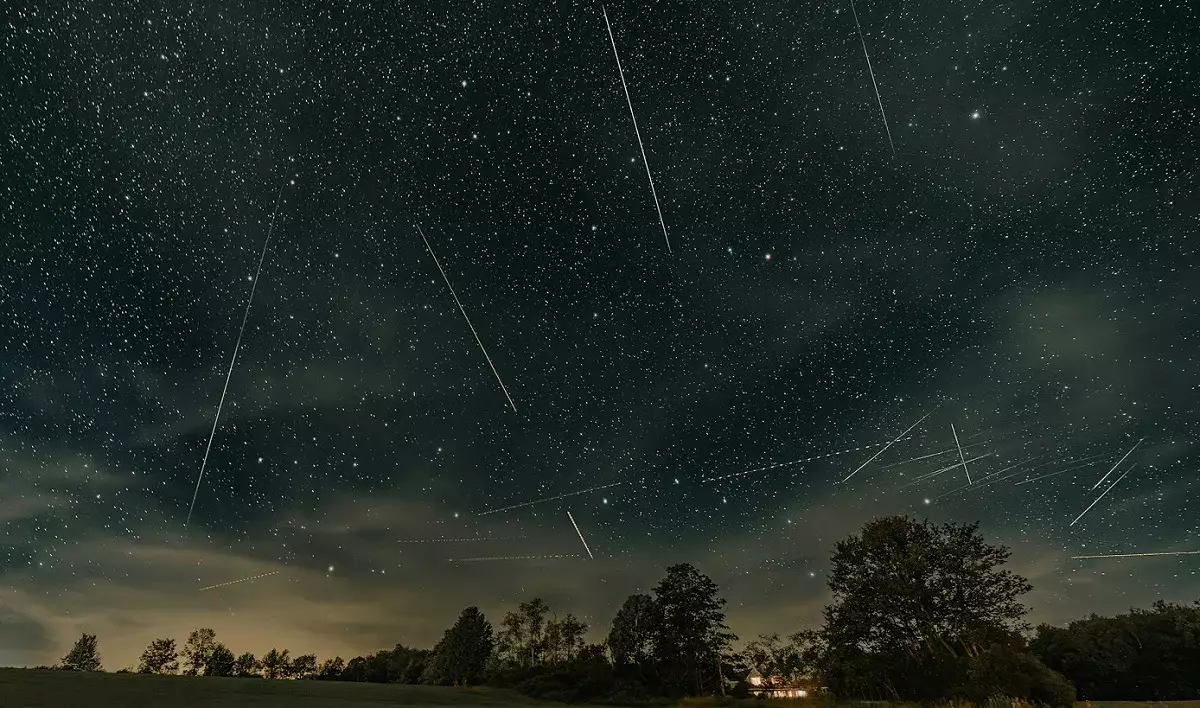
234, 582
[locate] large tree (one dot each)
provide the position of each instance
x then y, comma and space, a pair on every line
220, 662
198, 650
692, 637
464, 649
631, 639
246, 666
915, 607
303, 666
159, 658
84, 656
275, 663
522, 638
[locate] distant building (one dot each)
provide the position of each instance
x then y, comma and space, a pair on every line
773, 688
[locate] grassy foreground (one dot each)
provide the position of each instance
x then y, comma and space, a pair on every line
27, 688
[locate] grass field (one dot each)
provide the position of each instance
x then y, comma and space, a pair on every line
27, 688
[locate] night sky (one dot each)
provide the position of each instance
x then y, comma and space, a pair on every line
1022, 270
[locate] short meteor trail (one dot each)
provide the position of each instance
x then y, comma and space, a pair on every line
885, 447
232, 582
468, 319
635, 129
512, 558
233, 360
1138, 555
1106, 491
1106, 474
585, 546
873, 83
546, 499
960, 453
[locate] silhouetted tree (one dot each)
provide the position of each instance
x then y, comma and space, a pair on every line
916, 609
303, 666
84, 656
220, 661
460, 656
246, 666
197, 650
1143, 655
331, 669
522, 637
564, 639
275, 663
159, 658
634, 629
692, 637
356, 669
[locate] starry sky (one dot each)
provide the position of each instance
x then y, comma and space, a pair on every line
1022, 270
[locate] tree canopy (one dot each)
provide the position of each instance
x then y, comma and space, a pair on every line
84, 656
159, 658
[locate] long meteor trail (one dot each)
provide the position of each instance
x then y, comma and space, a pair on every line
585, 546
468, 319
635, 129
1106, 491
233, 360
873, 82
546, 499
960, 453
1106, 474
1138, 555
512, 558
885, 447
791, 462
234, 582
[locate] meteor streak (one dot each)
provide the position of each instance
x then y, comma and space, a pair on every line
585, 546
1106, 491
232, 582
873, 83
1106, 474
512, 558
635, 129
468, 319
791, 462
947, 468
1139, 555
960, 453
233, 360
458, 540
546, 499
885, 447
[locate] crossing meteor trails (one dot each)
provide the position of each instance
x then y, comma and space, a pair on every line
585, 546
1139, 555
885, 447
1055, 474
926, 457
546, 499
873, 83
791, 462
947, 468
960, 453
468, 319
512, 558
635, 129
1106, 491
1106, 474
232, 582
233, 360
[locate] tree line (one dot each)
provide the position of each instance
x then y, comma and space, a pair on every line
920, 612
